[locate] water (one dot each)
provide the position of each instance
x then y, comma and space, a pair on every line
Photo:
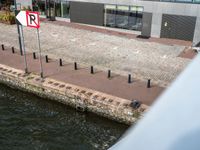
31, 123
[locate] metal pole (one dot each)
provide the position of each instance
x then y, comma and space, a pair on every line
23, 47
19, 34
46, 10
40, 56
49, 9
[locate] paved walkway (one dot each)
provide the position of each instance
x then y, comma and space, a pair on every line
130, 34
105, 49
116, 86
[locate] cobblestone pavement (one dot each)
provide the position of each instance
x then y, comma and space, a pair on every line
143, 60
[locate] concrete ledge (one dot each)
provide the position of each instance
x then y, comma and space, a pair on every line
81, 98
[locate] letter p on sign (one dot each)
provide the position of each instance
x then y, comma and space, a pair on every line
32, 19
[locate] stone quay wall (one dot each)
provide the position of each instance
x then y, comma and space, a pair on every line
81, 98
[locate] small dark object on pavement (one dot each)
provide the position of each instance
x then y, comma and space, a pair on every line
135, 104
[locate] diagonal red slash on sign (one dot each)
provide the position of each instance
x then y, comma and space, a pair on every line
32, 19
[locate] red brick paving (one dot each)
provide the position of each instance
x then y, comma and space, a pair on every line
116, 86
120, 34
188, 53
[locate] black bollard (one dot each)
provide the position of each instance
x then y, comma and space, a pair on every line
75, 66
46, 58
2, 47
92, 70
41, 75
129, 78
34, 55
13, 50
149, 83
61, 64
109, 73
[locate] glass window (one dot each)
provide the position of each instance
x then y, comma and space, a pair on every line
65, 9
122, 16
110, 7
126, 17
135, 18
40, 6
62, 8
110, 11
57, 8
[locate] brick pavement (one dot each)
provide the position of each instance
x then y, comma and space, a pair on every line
143, 58
116, 86
110, 31
188, 53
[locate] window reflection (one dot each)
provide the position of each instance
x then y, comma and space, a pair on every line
122, 17
126, 17
61, 7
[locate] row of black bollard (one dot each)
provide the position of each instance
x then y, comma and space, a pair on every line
91, 69
3, 48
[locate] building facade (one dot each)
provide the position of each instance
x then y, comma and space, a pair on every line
175, 19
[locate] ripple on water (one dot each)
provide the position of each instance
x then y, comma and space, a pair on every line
29, 122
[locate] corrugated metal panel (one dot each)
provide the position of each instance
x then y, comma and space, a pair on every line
178, 27
88, 13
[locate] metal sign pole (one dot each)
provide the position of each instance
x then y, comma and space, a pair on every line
24, 51
28, 19
18, 30
40, 56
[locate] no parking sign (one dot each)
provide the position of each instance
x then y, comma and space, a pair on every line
28, 18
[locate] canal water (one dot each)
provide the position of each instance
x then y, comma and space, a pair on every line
28, 122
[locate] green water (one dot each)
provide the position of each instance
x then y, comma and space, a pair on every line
28, 122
